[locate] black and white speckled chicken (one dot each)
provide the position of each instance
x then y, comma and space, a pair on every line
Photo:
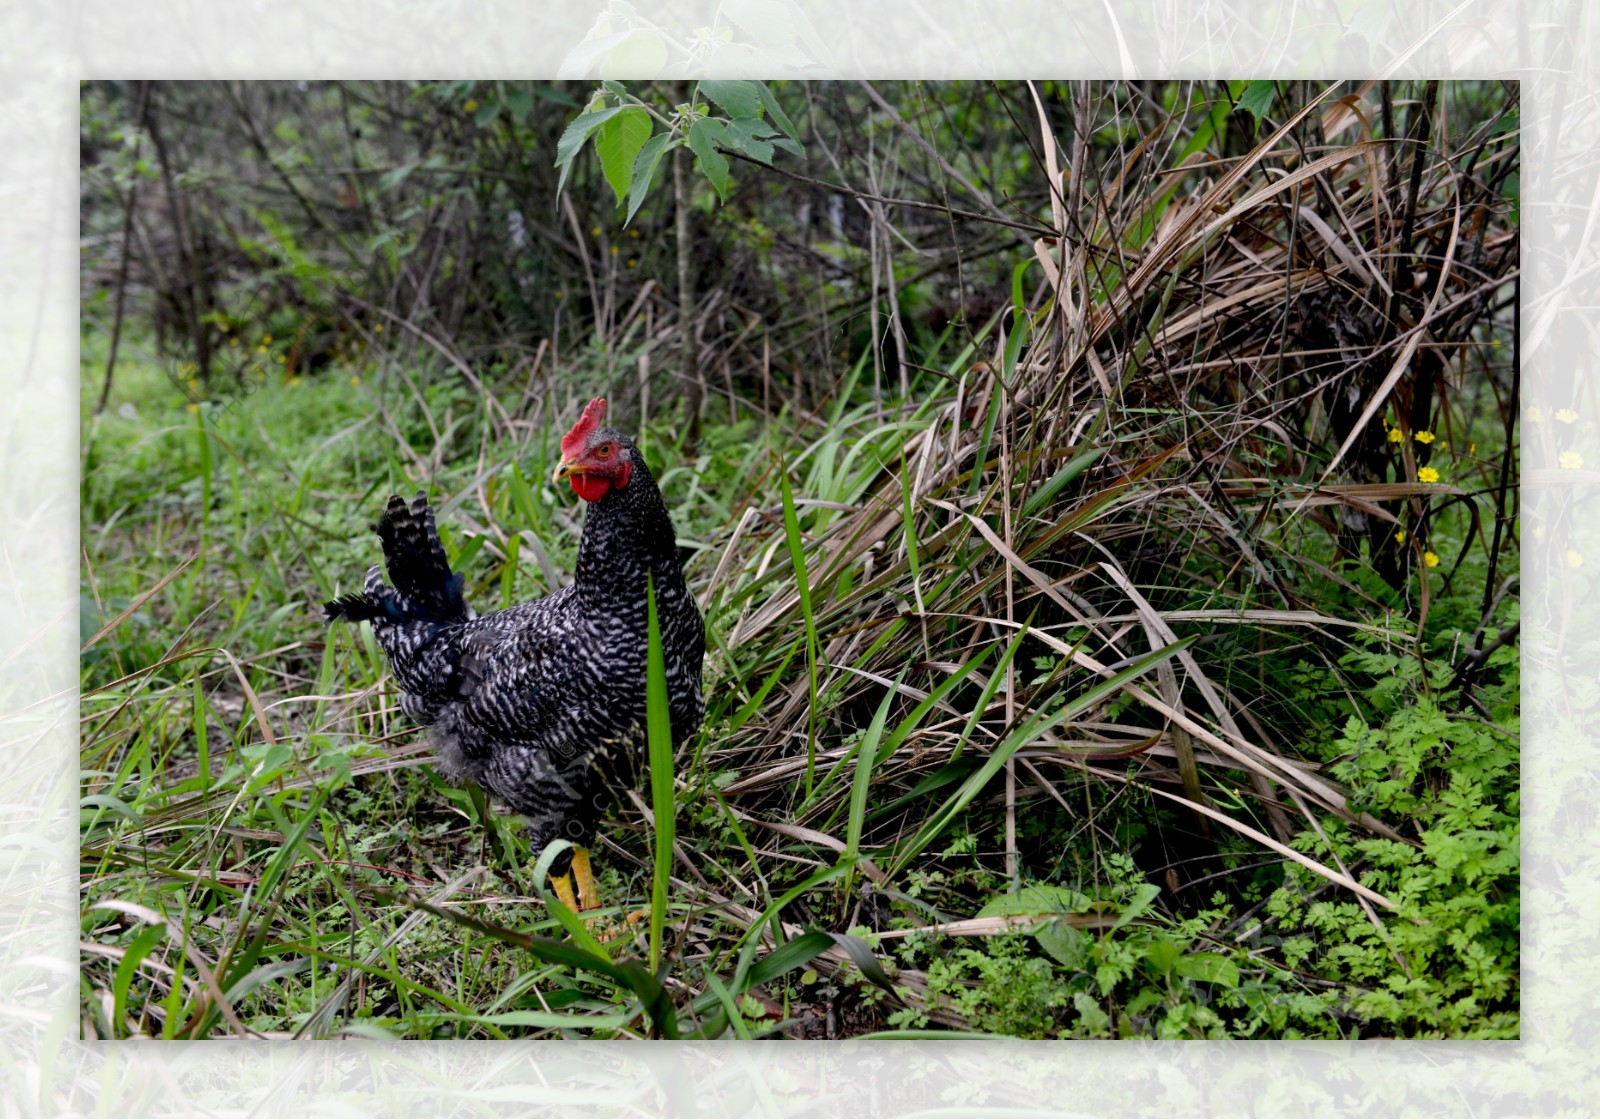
543, 705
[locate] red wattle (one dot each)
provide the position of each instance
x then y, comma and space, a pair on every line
590, 488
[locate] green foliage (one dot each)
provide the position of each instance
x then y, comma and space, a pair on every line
622, 124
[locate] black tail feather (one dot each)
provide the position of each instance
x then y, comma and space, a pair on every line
353, 608
425, 589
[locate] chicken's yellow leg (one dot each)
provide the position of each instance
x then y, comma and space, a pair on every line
588, 891
563, 888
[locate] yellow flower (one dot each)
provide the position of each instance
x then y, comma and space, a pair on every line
472, 103
294, 379
194, 408
1495, 343
1566, 416
633, 233
1396, 435
633, 262
1400, 536
1574, 558
355, 379
1571, 460
1538, 532
613, 250
1427, 474
1431, 559
377, 328
1424, 437
261, 349
595, 232
1535, 413
265, 339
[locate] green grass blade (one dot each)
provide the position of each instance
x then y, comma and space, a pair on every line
791, 529
663, 802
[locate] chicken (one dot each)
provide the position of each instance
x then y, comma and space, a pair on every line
543, 704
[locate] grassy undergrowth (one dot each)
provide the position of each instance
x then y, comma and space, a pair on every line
256, 815
1093, 690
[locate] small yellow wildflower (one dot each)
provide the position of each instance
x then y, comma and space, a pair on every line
1571, 460
1427, 474
282, 359
1535, 413
194, 408
1396, 435
595, 232
561, 295
1472, 449
471, 105
1431, 559
633, 262
1538, 532
294, 379
377, 328
261, 349
355, 379
633, 233
1424, 437
1566, 416
1400, 536
613, 250
1574, 558
1495, 343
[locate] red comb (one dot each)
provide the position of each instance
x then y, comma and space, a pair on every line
594, 414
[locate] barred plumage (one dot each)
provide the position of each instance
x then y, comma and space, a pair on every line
543, 705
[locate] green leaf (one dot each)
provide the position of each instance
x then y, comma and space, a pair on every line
1210, 968
747, 134
704, 137
486, 114
778, 116
575, 135
1064, 941
1143, 895
617, 142
1039, 898
519, 103
644, 169
739, 99
1257, 99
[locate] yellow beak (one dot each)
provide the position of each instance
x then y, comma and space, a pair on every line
565, 469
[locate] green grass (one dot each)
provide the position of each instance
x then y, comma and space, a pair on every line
257, 822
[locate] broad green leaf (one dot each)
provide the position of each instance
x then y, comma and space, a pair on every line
1040, 898
1211, 968
748, 134
1064, 941
617, 142
704, 137
1257, 98
738, 99
778, 116
575, 135
519, 103
644, 169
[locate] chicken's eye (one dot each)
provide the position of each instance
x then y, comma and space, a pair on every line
603, 451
